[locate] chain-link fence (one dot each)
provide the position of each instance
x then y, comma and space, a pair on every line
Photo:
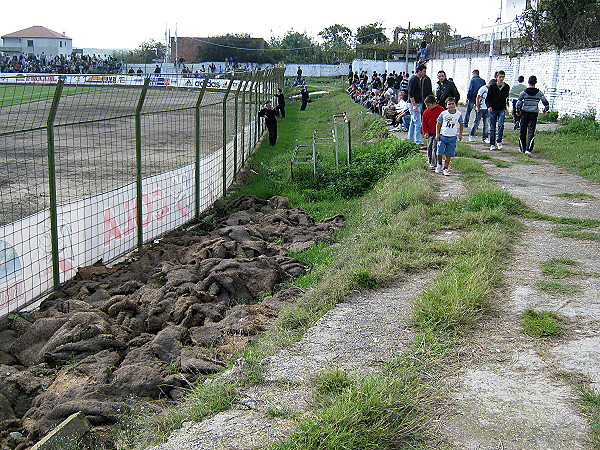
95, 166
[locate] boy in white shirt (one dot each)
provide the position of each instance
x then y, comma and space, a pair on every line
449, 125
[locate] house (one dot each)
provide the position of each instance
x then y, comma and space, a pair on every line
36, 40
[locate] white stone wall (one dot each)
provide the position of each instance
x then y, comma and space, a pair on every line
569, 79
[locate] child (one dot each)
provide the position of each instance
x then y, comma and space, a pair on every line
449, 124
527, 108
428, 126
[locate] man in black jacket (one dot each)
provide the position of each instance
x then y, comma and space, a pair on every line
497, 102
416, 94
280, 102
304, 98
445, 89
270, 114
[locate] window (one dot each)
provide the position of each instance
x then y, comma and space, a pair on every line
61, 43
29, 42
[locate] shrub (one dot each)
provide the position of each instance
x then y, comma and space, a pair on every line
368, 167
584, 125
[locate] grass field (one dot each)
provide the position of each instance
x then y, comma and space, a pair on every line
11, 94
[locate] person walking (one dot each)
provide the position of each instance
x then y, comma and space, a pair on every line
304, 97
513, 96
280, 102
527, 108
497, 102
449, 126
429, 128
482, 114
270, 114
474, 86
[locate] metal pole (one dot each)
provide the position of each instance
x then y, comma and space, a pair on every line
246, 83
235, 128
224, 165
138, 163
197, 160
52, 185
407, 45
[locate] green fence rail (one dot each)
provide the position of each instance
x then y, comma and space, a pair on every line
95, 166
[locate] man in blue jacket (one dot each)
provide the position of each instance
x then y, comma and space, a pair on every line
474, 85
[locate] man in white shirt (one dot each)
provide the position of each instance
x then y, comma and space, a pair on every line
482, 113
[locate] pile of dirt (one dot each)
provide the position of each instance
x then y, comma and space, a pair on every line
152, 326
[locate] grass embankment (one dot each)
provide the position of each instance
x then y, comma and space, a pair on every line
391, 230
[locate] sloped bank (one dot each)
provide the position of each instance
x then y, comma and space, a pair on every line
150, 327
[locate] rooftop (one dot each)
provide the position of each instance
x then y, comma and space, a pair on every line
36, 32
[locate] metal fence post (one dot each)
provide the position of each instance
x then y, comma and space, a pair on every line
197, 143
225, 135
235, 128
246, 83
138, 163
52, 184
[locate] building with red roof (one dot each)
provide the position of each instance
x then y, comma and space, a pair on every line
36, 40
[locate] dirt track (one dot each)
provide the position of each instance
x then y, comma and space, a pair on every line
95, 143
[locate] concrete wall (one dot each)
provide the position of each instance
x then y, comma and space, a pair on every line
41, 45
569, 79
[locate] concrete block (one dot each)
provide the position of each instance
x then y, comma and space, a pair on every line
66, 435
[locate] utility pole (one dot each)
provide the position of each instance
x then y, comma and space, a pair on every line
407, 45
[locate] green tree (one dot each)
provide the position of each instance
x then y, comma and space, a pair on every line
149, 51
560, 24
372, 33
336, 37
297, 47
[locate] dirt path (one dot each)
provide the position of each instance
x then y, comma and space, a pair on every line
513, 392
518, 392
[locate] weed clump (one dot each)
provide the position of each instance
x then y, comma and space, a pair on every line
542, 323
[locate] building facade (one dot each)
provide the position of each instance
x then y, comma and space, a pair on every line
36, 40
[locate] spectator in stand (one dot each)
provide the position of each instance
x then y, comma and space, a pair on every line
73, 64
513, 96
497, 102
474, 85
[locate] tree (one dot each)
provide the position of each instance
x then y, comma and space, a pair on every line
336, 37
295, 46
560, 24
371, 34
149, 51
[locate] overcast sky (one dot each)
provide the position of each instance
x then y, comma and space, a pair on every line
126, 24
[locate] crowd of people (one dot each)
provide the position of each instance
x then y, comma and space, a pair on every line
73, 64
412, 106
